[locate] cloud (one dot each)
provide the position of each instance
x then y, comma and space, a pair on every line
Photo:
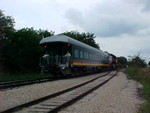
144, 32
146, 4
126, 45
113, 27
109, 18
75, 16
45, 14
122, 27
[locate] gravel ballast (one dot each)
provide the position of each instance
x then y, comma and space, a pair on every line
20, 95
120, 95
117, 96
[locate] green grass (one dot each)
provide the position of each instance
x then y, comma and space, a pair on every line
5, 77
143, 76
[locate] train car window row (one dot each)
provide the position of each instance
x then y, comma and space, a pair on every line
85, 55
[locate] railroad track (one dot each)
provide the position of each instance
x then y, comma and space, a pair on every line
13, 84
55, 102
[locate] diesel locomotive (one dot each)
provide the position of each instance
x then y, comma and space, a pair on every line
67, 56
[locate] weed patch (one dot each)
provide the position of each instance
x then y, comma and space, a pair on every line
142, 75
17, 77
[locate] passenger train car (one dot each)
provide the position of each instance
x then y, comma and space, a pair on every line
67, 56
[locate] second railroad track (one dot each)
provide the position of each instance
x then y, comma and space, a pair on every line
55, 102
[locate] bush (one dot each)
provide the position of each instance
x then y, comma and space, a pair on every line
143, 76
136, 61
23, 50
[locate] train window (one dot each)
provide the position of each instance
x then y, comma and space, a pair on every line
93, 57
97, 57
85, 55
76, 53
90, 56
81, 54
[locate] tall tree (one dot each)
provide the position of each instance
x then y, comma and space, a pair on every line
6, 25
136, 61
149, 63
23, 51
45, 33
6, 31
122, 61
87, 38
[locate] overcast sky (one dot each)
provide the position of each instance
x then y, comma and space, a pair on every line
121, 27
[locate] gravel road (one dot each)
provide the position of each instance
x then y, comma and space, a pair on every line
119, 95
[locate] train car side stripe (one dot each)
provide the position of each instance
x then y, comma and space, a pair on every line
88, 64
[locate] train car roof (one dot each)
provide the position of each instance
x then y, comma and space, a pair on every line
113, 55
66, 39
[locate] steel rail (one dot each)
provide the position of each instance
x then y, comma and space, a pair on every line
13, 84
70, 102
19, 107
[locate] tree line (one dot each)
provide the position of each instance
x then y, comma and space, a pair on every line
20, 50
133, 61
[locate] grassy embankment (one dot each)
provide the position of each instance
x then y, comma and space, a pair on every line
143, 76
18, 77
